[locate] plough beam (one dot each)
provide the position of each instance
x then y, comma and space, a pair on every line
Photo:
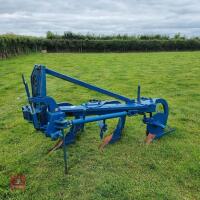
88, 86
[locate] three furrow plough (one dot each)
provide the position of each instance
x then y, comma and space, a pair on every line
52, 118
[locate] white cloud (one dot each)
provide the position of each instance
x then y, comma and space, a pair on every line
36, 17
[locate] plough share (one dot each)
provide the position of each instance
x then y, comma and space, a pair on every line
51, 117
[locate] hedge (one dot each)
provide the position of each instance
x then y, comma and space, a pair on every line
11, 45
62, 45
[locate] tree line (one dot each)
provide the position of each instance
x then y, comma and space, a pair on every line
78, 36
11, 44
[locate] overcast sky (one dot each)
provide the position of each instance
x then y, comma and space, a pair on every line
36, 17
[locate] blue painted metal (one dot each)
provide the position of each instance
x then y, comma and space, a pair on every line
52, 118
87, 85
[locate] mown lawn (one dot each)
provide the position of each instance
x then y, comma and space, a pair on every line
167, 169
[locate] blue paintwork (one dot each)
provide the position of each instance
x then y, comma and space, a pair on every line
51, 117
88, 86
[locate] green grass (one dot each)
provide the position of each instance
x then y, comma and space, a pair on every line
167, 169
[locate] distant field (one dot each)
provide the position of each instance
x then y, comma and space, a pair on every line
167, 169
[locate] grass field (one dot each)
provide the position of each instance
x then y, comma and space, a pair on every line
167, 169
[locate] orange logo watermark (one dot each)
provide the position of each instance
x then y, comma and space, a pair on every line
17, 182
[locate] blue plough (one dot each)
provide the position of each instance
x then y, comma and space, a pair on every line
51, 117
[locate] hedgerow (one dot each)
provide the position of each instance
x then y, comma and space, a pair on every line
11, 45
